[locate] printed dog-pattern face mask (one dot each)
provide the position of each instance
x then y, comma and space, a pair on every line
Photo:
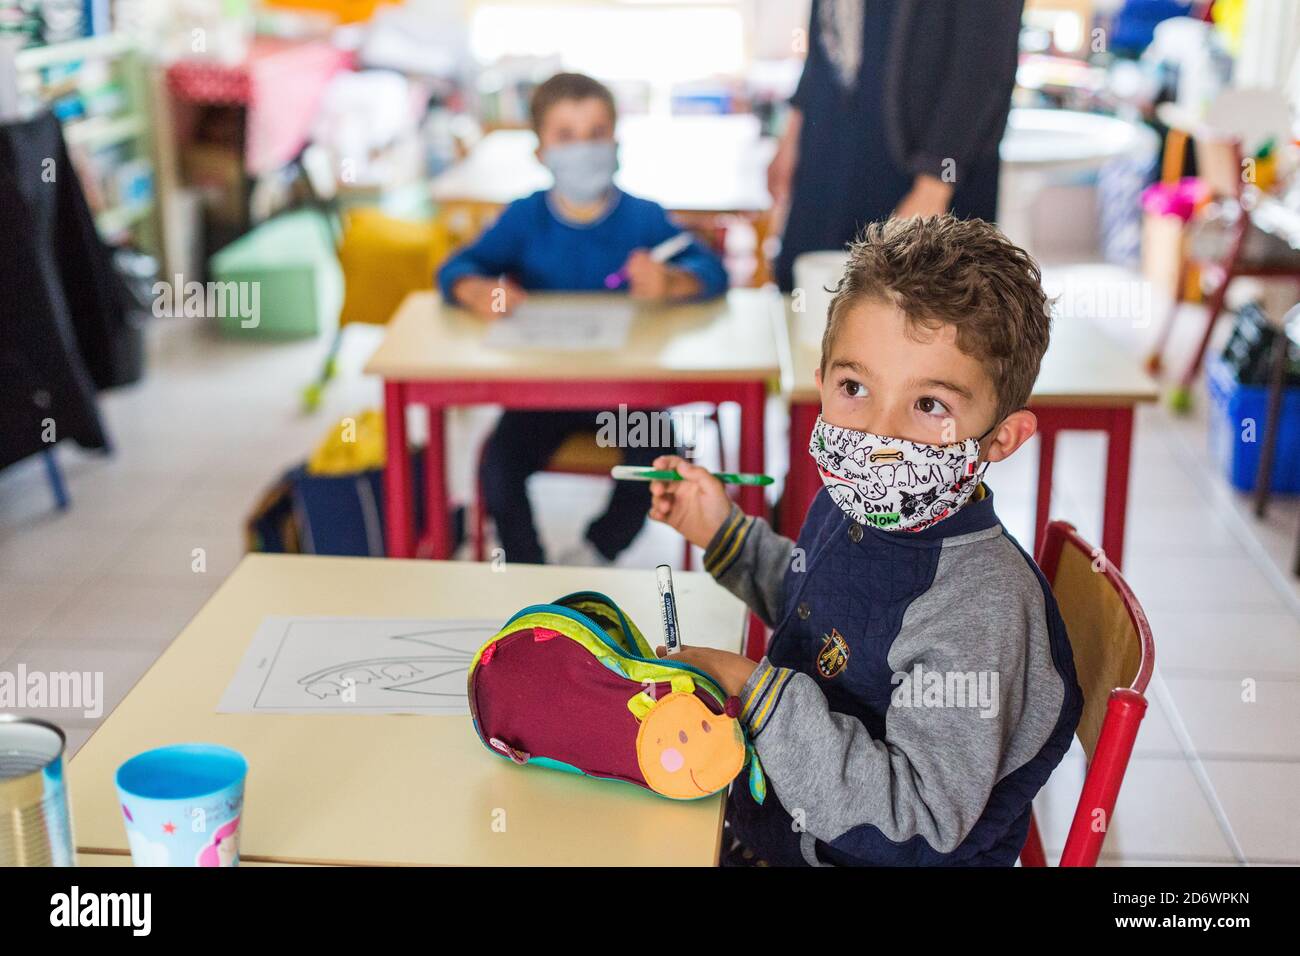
893, 483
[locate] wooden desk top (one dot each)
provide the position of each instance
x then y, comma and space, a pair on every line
1082, 367
396, 789
726, 339
688, 163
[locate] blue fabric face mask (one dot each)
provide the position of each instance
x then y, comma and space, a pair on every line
584, 172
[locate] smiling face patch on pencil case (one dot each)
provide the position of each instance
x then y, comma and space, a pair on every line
574, 686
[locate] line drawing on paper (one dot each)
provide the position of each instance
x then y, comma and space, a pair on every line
333, 665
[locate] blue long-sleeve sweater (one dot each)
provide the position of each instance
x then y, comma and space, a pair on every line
543, 251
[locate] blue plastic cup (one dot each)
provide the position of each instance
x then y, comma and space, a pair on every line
182, 805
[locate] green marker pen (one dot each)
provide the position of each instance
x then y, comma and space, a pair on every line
637, 473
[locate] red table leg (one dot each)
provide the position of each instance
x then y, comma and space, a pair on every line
435, 539
801, 481
1119, 452
397, 475
437, 513
1047, 429
752, 499
751, 445
1117, 423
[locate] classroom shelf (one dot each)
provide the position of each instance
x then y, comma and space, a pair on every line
51, 73
100, 131
111, 45
120, 218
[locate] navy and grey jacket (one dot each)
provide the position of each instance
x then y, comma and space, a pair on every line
918, 690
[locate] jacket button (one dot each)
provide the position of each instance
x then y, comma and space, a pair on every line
803, 610
855, 532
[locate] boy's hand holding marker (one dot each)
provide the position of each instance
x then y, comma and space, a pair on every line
696, 506
731, 671
654, 281
648, 276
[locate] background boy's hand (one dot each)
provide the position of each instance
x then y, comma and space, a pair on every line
696, 506
728, 669
656, 281
489, 298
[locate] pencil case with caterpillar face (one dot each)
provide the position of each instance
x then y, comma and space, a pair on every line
574, 686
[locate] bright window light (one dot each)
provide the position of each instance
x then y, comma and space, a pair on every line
653, 44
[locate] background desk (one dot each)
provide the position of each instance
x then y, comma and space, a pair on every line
1087, 383
396, 789
724, 350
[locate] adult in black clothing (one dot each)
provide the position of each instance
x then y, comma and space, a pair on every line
899, 111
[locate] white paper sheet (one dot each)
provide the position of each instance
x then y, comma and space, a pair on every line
569, 326
329, 665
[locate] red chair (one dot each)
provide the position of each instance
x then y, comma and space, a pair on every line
1113, 657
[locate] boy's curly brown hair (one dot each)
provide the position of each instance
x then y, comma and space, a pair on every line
941, 270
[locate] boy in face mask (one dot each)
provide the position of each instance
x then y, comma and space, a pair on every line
919, 686
570, 238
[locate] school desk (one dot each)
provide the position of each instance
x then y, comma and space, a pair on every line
433, 354
397, 789
1086, 383
702, 169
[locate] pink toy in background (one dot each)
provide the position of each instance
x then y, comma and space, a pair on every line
1180, 199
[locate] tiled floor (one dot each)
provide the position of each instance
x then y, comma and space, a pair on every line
155, 529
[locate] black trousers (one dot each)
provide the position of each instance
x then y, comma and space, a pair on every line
522, 444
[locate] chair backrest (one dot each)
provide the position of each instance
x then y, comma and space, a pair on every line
1113, 658
1108, 631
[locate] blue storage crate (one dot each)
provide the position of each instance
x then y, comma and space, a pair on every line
1234, 407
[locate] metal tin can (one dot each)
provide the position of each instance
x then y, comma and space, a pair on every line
35, 829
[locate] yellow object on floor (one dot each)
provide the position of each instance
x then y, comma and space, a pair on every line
353, 445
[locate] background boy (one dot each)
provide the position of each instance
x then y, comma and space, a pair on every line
570, 238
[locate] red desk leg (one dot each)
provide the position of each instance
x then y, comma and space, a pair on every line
751, 446
1119, 452
437, 513
1047, 429
397, 475
752, 499
801, 481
